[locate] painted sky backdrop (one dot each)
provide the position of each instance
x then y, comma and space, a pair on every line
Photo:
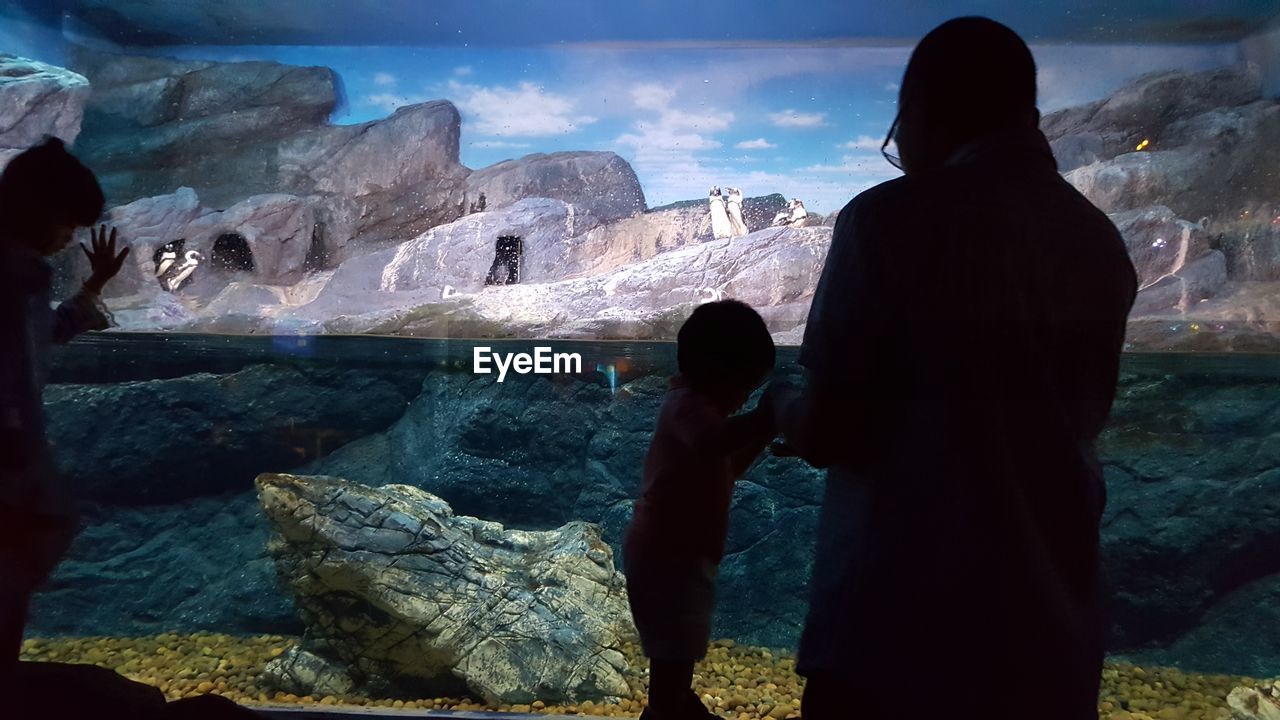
803, 121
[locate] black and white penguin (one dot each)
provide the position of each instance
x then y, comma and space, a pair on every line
799, 216
720, 227
172, 273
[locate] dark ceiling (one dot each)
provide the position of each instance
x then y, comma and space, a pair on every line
541, 22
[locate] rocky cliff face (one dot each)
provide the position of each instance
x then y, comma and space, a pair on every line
233, 131
1198, 150
399, 589
646, 299
602, 187
37, 100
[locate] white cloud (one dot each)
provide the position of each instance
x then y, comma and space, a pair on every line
463, 70
675, 134
795, 119
651, 96
757, 144
390, 101
862, 165
497, 144
384, 79
525, 110
862, 142
892, 87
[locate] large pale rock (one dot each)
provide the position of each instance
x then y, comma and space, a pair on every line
600, 185
391, 582
771, 267
144, 225
279, 230
244, 298
1159, 242
37, 100
417, 144
151, 309
647, 234
648, 299
1255, 703
450, 258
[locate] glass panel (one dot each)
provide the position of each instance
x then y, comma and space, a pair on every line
307, 473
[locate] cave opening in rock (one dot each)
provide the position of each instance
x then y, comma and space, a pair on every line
317, 258
231, 252
505, 270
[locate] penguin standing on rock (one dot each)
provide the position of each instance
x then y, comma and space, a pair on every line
172, 273
737, 225
720, 226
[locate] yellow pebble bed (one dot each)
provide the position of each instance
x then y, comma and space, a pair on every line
737, 681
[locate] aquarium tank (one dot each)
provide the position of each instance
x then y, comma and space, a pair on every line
343, 215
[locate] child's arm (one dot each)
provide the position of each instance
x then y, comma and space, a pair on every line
747, 435
77, 314
18, 399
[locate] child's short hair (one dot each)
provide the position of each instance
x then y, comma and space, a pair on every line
724, 344
46, 185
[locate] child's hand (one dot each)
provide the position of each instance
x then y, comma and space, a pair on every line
777, 396
103, 258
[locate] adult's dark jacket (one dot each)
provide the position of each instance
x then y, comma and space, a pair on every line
971, 319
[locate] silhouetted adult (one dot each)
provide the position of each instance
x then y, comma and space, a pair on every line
962, 353
45, 194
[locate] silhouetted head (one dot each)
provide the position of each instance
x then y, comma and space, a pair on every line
968, 77
45, 194
724, 349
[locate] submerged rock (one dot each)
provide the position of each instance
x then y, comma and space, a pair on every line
390, 582
1255, 703
217, 431
304, 673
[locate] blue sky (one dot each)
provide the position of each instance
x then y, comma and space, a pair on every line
803, 121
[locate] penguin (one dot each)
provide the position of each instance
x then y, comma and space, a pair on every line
737, 225
720, 226
799, 216
179, 275
165, 256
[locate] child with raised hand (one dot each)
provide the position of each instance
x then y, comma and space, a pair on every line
699, 450
45, 194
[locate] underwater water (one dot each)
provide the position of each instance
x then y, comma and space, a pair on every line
175, 579
299, 488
